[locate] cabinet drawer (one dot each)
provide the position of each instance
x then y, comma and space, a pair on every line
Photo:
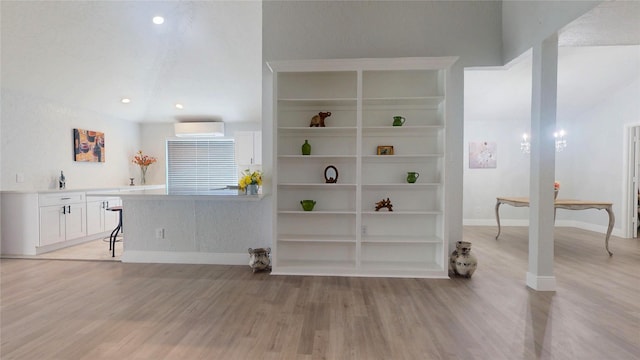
61, 198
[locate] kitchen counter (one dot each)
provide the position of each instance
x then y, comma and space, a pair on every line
162, 194
90, 191
205, 227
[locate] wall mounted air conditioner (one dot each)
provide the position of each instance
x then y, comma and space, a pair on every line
199, 129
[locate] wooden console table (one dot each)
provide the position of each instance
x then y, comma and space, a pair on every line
563, 204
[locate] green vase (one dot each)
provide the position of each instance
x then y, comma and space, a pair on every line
306, 148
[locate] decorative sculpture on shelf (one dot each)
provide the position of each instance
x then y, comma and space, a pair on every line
259, 259
462, 262
384, 204
328, 178
318, 120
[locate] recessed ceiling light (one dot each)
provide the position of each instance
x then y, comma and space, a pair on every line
179, 106
158, 20
125, 100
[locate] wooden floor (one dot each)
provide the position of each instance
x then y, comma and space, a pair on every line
54, 309
91, 250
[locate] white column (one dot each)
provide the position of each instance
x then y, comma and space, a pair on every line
543, 122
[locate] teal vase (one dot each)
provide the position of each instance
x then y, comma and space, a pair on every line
306, 148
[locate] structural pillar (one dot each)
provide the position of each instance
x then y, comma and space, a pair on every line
540, 274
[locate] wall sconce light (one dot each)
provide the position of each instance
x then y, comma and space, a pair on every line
560, 141
525, 145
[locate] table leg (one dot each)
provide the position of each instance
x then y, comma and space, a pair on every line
498, 217
612, 220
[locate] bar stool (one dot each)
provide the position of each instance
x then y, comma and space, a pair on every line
114, 233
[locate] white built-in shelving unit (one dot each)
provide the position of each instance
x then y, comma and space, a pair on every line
344, 235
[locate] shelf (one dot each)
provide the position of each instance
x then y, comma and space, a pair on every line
318, 212
406, 130
317, 131
328, 268
318, 185
373, 239
402, 212
317, 156
402, 265
318, 102
418, 100
317, 238
400, 158
402, 186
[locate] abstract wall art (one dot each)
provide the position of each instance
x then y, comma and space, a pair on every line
88, 146
483, 155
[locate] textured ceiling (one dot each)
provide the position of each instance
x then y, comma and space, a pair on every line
599, 53
609, 23
586, 76
89, 54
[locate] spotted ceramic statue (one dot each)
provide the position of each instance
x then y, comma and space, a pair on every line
259, 259
462, 262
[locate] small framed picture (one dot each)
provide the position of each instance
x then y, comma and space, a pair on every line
385, 150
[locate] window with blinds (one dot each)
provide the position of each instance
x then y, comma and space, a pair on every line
200, 164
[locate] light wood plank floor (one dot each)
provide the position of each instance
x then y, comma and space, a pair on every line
52, 309
90, 250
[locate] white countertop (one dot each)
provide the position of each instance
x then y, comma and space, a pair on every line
105, 191
162, 194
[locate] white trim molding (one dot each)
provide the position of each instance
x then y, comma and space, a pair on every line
171, 257
541, 283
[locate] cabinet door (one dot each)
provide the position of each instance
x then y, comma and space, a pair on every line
51, 225
95, 217
244, 147
75, 221
257, 147
248, 147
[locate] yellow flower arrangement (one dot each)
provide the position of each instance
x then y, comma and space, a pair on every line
250, 178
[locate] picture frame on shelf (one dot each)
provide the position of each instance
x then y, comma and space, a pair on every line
385, 150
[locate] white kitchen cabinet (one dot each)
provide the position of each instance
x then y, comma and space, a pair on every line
62, 217
248, 147
99, 219
344, 234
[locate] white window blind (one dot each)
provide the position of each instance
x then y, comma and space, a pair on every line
200, 164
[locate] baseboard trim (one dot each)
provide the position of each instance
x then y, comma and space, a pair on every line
541, 283
170, 257
559, 223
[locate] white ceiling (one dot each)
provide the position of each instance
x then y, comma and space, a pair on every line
206, 56
599, 53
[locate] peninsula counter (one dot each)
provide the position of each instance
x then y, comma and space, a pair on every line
211, 227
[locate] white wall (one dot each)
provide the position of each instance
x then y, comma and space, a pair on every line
598, 94
593, 163
327, 29
37, 141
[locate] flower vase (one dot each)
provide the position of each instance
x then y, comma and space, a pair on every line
143, 175
555, 194
252, 189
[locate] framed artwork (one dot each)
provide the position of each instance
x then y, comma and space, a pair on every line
385, 150
88, 146
482, 155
